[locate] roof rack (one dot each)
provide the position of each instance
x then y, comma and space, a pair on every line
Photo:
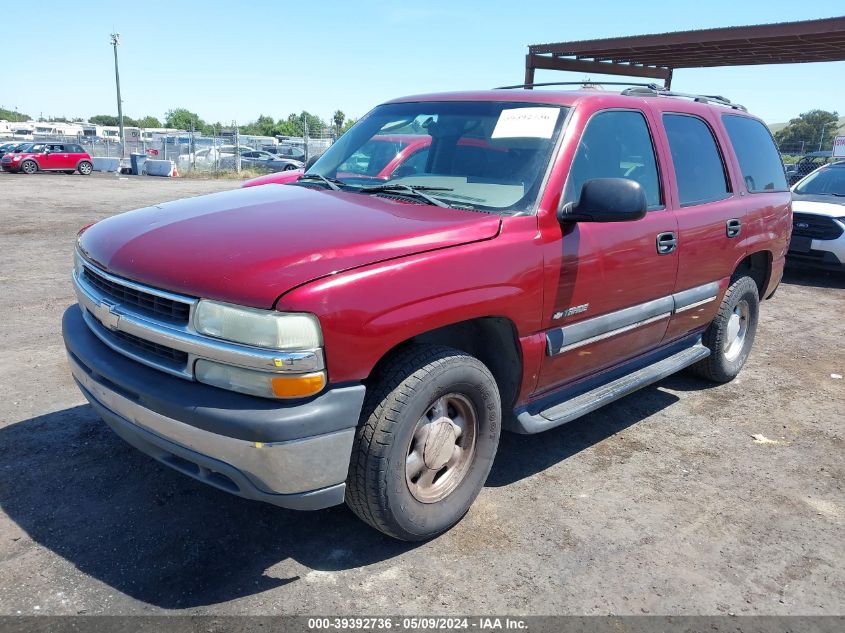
580, 83
637, 90
656, 91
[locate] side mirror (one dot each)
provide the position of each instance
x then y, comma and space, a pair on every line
606, 200
310, 162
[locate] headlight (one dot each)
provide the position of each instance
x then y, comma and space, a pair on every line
16, 158
261, 328
259, 383
77, 264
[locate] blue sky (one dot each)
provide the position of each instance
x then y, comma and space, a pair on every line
235, 60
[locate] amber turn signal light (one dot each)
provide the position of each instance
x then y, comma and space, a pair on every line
298, 386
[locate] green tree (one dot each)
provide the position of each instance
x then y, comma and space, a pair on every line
13, 117
182, 119
338, 118
348, 124
262, 126
103, 119
809, 131
149, 121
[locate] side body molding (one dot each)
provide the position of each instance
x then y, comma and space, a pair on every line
569, 337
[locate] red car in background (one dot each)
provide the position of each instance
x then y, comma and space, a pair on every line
66, 157
383, 157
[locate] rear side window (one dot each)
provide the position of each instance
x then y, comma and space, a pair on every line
699, 168
616, 144
758, 158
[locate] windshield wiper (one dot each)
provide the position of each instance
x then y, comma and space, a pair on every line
331, 183
414, 190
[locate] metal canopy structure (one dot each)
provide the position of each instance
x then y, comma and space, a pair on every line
657, 56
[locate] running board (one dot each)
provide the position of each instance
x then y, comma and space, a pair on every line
596, 396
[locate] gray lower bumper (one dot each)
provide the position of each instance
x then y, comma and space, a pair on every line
305, 474
273, 465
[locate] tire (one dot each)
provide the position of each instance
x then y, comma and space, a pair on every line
289, 167
731, 334
69, 171
29, 167
430, 401
85, 168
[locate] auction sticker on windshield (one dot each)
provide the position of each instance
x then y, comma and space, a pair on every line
526, 123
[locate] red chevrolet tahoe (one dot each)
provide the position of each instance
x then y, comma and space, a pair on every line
335, 339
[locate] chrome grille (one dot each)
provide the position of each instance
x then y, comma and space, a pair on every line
152, 326
167, 353
175, 311
818, 227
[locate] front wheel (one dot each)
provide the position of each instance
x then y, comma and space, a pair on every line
289, 167
29, 167
427, 439
85, 168
731, 334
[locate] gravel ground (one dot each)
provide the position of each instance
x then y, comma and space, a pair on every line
661, 503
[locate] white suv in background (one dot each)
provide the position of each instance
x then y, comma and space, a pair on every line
818, 218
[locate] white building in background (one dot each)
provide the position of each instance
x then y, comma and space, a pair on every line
150, 134
51, 128
19, 131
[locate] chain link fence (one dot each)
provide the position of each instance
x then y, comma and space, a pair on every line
221, 155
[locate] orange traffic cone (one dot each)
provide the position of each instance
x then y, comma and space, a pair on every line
175, 172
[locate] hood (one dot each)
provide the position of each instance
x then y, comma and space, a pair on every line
279, 178
830, 206
248, 246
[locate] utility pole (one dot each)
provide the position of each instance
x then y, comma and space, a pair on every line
305, 135
115, 40
237, 147
821, 140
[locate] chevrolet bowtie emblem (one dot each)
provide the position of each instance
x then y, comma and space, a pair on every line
105, 313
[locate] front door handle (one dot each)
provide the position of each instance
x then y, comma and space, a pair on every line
666, 242
733, 227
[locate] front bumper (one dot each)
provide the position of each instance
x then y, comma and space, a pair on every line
828, 254
825, 254
293, 455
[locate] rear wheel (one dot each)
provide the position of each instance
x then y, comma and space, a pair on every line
69, 171
29, 167
289, 167
429, 433
731, 334
85, 168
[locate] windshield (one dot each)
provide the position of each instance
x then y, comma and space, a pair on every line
481, 155
825, 182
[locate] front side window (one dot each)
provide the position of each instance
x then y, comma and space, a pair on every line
616, 144
481, 155
762, 168
699, 168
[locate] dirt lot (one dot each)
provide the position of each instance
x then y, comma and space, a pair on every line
661, 503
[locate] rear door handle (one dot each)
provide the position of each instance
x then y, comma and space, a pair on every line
666, 242
733, 228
